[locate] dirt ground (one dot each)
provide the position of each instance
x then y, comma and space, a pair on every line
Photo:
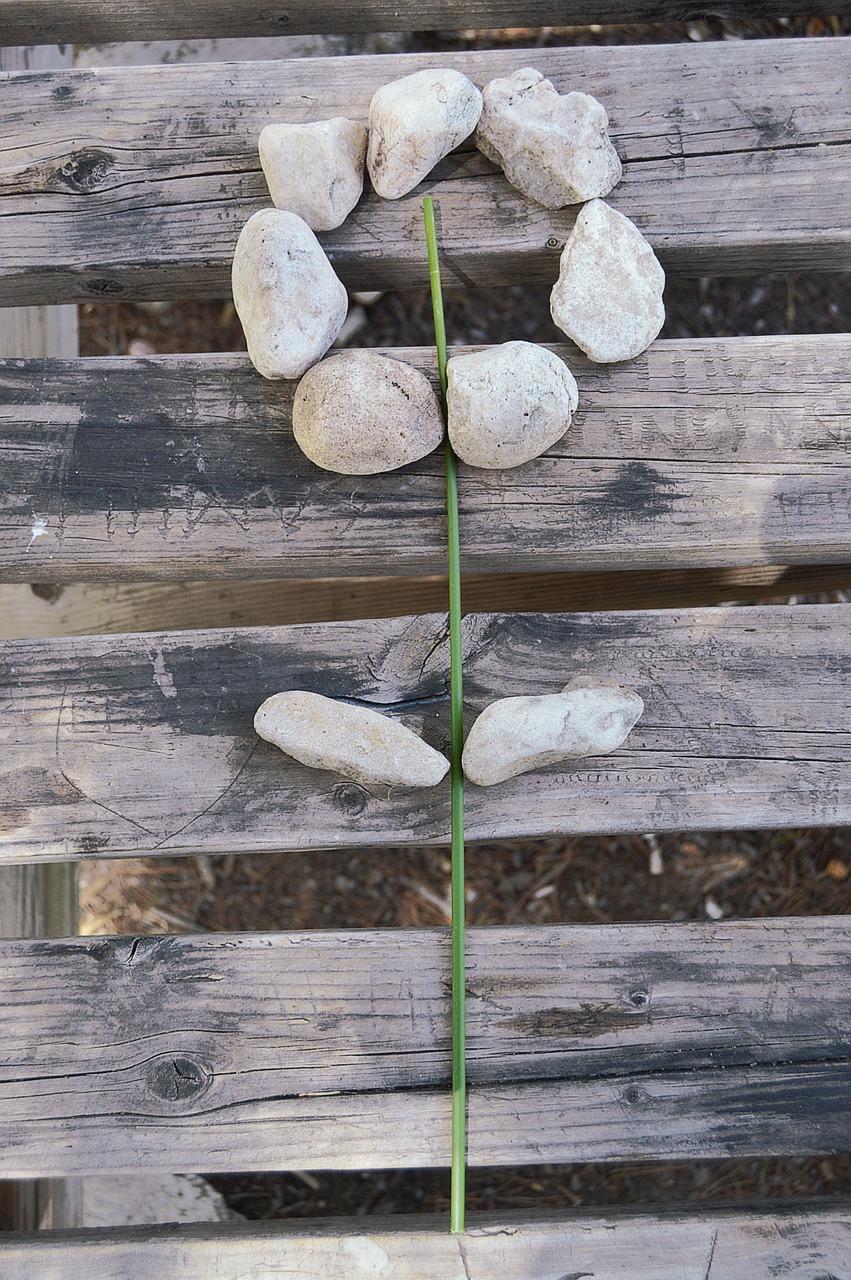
684, 876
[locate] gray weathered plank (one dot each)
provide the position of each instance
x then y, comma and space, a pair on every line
135, 182
809, 1240
100, 21
698, 453
145, 743
259, 1051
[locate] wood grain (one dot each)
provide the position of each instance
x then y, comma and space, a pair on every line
266, 1051
135, 182
144, 744
698, 453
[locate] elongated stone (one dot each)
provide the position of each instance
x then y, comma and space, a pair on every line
508, 404
359, 413
413, 123
315, 170
554, 148
608, 296
290, 302
359, 743
516, 735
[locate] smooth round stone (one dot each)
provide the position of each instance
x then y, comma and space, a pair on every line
290, 302
508, 404
608, 296
359, 413
413, 123
554, 148
315, 170
515, 735
363, 745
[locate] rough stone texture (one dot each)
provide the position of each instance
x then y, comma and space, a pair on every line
413, 123
608, 296
315, 170
361, 744
508, 404
360, 413
290, 302
516, 735
554, 148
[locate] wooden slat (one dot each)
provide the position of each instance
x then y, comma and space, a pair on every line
809, 1240
144, 744
331, 1050
698, 453
120, 182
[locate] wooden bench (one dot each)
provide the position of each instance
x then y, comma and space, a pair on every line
706, 467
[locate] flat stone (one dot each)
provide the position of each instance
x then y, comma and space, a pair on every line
315, 170
359, 413
363, 745
553, 147
413, 123
290, 302
608, 296
508, 404
516, 735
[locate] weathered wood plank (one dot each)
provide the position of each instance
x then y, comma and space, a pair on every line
284, 1050
101, 21
698, 453
121, 182
145, 743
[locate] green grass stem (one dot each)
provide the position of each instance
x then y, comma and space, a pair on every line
459, 1011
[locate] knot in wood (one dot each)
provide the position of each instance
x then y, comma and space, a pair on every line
638, 999
350, 798
179, 1079
84, 171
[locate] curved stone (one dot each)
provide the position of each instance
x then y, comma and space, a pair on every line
608, 296
290, 302
361, 744
508, 404
359, 413
315, 170
413, 123
516, 735
554, 148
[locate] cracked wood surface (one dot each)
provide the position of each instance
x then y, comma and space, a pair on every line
698, 453
139, 744
331, 1050
135, 182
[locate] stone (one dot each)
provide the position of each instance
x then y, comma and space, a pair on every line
315, 170
553, 147
359, 413
508, 404
361, 744
413, 123
516, 735
290, 302
608, 296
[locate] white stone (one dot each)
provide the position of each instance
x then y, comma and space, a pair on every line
413, 123
363, 745
554, 148
508, 404
290, 302
515, 735
608, 296
359, 413
315, 170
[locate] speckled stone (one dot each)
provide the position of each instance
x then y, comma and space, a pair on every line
290, 302
554, 148
508, 404
359, 413
413, 123
315, 170
608, 296
516, 735
361, 744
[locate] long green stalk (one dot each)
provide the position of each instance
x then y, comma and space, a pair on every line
459, 1009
